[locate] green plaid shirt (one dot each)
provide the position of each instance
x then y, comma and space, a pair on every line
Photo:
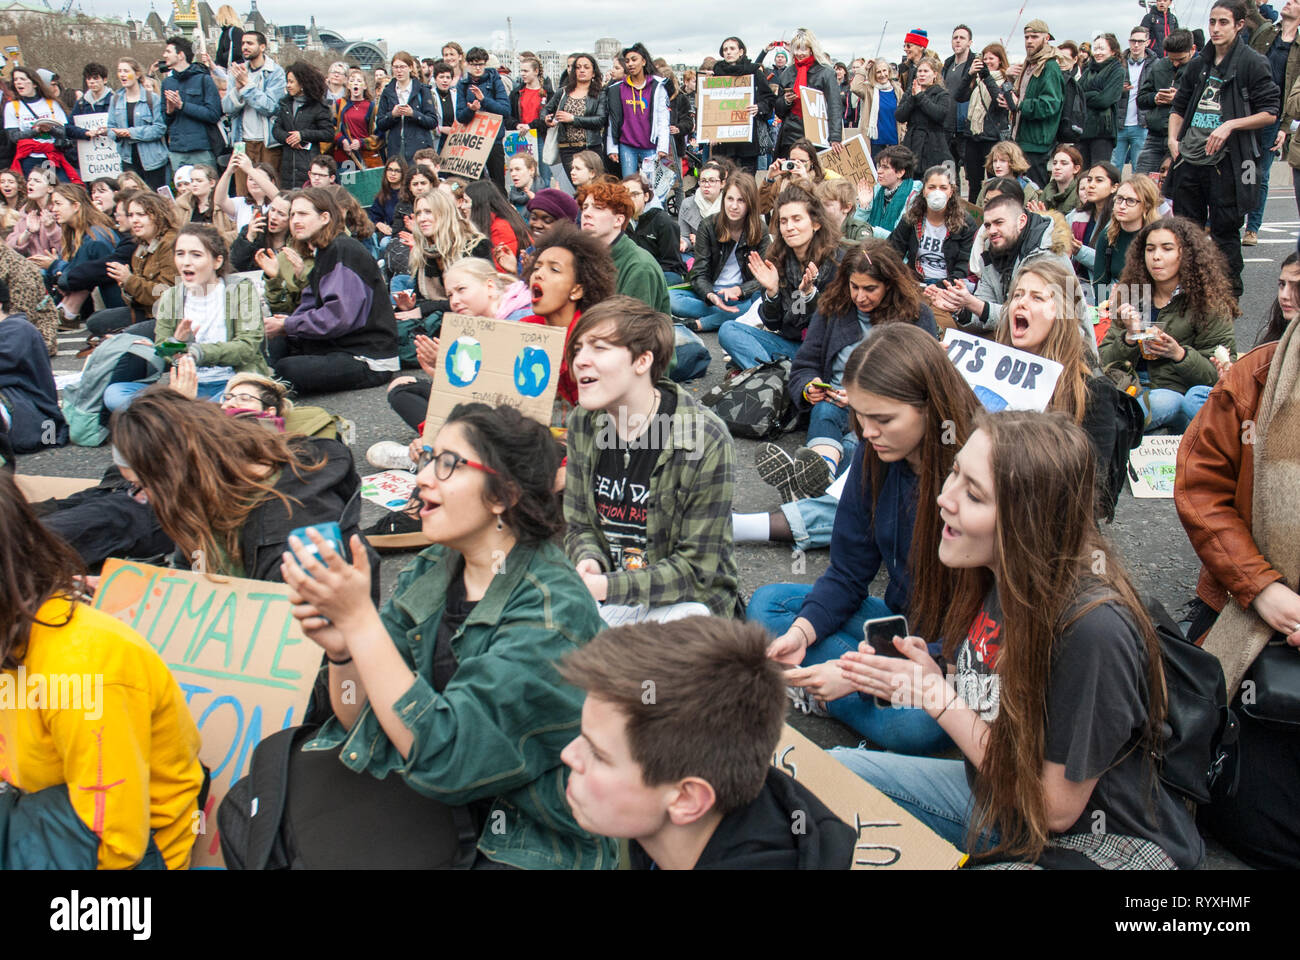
688, 517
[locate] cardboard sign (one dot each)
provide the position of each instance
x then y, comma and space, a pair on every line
497, 362
853, 163
98, 157
888, 836
816, 118
722, 109
466, 151
1003, 378
13, 55
391, 489
1151, 467
515, 142
36, 489
240, 657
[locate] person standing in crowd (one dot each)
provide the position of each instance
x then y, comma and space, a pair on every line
453, 54
528, 100
987, 120
355, 138
34, 117
1212, 133
811, 68
252, 100
342, 336
336, 84
444, 94
1038, 97
882, 94
230, 41
915, 45
406, 112
1132, 132
302, 122
1277, 44
956, 70
1159, 84
137, 124
927, 110
606, 211
1103, 89
1159, 24
638, 113
481, 89
580, 109
94, 99
381, 80
193, 108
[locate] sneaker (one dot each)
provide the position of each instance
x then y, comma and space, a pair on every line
390, 455
812, 474
1250, 239
776, 468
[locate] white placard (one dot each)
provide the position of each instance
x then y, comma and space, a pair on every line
1002, 377
98, 157
1151, 467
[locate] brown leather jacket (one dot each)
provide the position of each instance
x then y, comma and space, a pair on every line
1216, 480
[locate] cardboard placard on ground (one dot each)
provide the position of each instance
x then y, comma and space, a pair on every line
240, 657
515, 142
816, 118
497, 362
99, 157
1002, 377
36, 489
1151, 467
854, 162
888, 836
12, 53
466, 151
722, 109
362, 184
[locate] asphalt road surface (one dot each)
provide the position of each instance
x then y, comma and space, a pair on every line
1147, 533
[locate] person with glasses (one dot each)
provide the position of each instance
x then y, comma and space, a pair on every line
1136, 204
451, 686
704, 203
1132, 133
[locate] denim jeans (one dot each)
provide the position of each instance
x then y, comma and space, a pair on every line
629, 158
777, 605
828, 426
686, 304
812, 520
932, 790
1267, 135
750, 346
119, 395
180, 158
1154, 151
1169, 408
1128, 146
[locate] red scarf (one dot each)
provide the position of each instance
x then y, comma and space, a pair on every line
801, 65
26, 148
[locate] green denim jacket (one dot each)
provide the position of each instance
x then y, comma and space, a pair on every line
689, 550
497, 729
245, 331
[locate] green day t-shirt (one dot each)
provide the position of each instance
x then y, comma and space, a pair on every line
1206, 116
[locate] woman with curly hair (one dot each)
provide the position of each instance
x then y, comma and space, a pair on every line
302, 123
1169, 336
935, 235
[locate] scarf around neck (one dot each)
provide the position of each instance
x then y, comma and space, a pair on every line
1033, 67
706, 209
980, 101
801, 66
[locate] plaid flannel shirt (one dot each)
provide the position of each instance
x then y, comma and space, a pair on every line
689, 552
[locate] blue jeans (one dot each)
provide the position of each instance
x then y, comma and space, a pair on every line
1169, 408
812, 521
400, 283
750, 346
828, 426
629, 158
1267, 135
1128, 146
181, 157
777, 605
119, 395
932, 790
686, 304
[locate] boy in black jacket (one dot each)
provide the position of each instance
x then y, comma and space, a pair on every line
675, 752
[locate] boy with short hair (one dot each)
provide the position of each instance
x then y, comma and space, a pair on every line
607, 209
322, 172
647, 500
675, 752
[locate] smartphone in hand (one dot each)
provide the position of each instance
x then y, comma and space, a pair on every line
880, 633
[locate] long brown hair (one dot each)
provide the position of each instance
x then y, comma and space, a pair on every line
88, 218
904, 363
824, 241
1063, 345
1051, 566
879, 260
205, 471
815, 172
1202, 272
954, 214
35, 565
752, 228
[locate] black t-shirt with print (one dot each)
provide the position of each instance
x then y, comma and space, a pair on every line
1097, 699
454, 613
622, 489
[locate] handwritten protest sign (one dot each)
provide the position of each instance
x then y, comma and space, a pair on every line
1151, 467
98, 157
12, 53
515, 142
497, 362
816, 118
390, 489
888, 836
722, 112
1002, 377
466, 151
853, 163
241, 660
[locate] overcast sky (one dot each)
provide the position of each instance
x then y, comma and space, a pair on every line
685, 31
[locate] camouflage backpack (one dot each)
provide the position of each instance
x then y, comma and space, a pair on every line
755, 403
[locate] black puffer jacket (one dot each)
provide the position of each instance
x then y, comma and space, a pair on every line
711, 257
930, 122
315, 124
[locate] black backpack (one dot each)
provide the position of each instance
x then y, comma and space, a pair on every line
755, 404
1072, 114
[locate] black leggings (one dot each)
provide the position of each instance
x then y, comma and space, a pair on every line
410, 401
327, 372
977, 153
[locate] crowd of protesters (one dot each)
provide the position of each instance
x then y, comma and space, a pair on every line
1083, 203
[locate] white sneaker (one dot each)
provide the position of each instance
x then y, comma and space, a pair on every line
390, 455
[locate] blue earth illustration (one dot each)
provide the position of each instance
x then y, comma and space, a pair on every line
993, 402
532, 371
463, 361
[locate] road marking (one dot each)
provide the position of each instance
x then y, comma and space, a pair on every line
1257, 260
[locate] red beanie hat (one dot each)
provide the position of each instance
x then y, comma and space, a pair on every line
918, 37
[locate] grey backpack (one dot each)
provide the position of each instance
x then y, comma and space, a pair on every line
83, 401
755, 403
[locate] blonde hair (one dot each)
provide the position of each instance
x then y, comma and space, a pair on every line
453, 236
1148, 195
1009, 151
227, 17
804, 36
485, 273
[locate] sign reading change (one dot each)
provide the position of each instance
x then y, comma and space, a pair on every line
466, 151
497, 362
722, 115
1002, 377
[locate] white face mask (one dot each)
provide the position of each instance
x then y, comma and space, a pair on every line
936, 200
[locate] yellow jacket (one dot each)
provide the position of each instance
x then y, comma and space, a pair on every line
93, 706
